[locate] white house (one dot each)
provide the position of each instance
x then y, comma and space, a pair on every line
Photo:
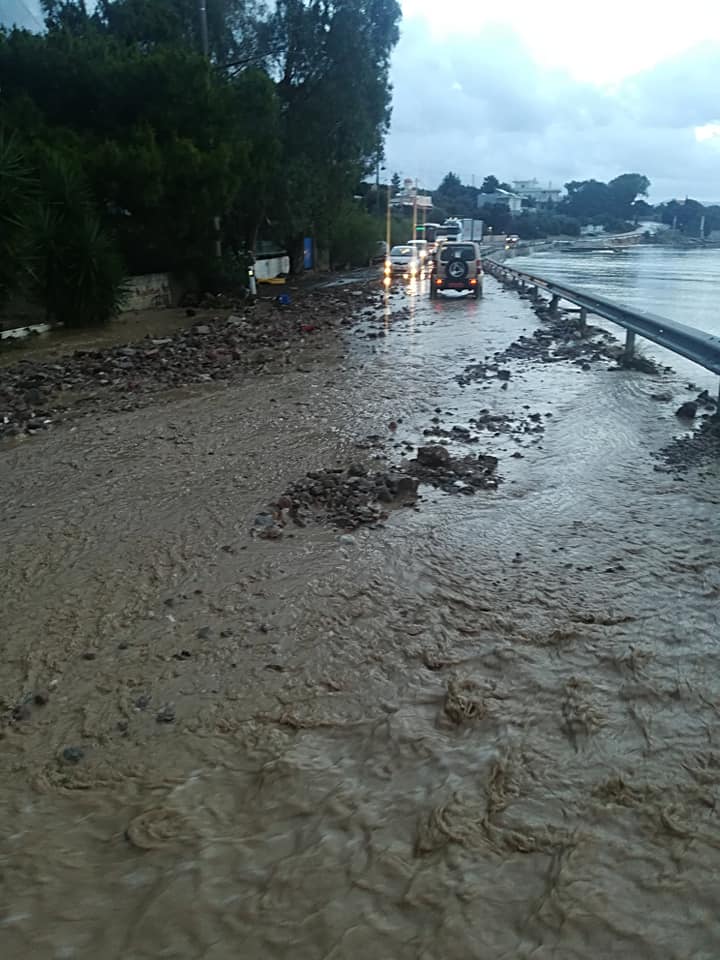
409, 197
501, 198
532, 190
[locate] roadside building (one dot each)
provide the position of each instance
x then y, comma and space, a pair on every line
533, 190
501, 198
409, 197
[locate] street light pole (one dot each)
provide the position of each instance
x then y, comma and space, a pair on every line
202, 9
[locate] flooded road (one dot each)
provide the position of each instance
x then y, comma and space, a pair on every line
487, 730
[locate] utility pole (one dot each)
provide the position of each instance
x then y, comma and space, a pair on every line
377, 183
414, 229
202, 9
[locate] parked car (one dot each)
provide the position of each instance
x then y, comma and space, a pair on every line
403, 259
457, 266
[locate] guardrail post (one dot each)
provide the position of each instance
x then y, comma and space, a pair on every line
535, 293
555, 300
629, 345
583, 320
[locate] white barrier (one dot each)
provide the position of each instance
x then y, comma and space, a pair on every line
270, 267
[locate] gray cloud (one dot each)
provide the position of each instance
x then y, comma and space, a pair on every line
482, 105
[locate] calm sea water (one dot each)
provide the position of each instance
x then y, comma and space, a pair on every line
683, 285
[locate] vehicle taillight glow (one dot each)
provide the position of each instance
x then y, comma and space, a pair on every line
473, 281
439, 281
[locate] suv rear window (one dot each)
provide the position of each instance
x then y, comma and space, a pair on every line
450, 252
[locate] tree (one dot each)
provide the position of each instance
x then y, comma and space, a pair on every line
395, 184
459, 199
17, 189
268, 134
450, 183
490, 184
586, 199
331, 127
624, 190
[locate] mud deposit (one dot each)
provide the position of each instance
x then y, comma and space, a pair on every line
484, 727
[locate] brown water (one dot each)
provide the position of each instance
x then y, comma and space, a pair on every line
489, 730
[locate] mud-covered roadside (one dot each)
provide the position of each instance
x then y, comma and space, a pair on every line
486, 724
220, 343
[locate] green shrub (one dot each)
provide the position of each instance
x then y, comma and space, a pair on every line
16, 192
353, 236
77, 273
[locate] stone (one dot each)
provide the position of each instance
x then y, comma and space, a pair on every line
433, 455
503, 374
663, 397
41, 697
21, 712
203, 633
264, 521
406, 486
73, 754
687, 410
166, 714
202, 329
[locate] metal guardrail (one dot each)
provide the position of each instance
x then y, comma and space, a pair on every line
696, 345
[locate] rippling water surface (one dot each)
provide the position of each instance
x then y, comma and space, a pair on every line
488, 730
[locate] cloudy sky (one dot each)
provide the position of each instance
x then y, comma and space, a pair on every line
559, 90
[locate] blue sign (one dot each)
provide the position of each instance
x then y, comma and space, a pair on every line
308, 253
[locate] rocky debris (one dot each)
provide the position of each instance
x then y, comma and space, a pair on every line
497, 424
433, 456
560, 338
687, 410
702, 447
21, 711
705, 401
73, 754
346, 497
663, 396
166, 714
266, 527
454, 474
36, 392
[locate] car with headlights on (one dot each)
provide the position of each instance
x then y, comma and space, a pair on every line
403, 259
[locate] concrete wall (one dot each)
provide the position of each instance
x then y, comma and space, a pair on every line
147, 291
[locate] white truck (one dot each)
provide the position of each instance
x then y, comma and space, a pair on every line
472, 230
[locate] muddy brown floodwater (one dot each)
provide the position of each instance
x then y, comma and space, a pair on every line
487, 730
